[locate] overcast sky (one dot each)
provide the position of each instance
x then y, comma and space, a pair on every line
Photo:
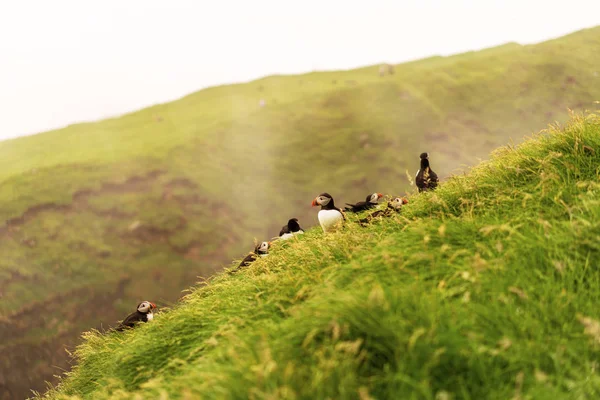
65, 61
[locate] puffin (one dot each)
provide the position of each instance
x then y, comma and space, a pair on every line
370, 202
142, 314
426, 179
329, 216
292, 228
395, 205
261, 250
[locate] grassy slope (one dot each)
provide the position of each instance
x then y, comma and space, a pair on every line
182, 170
479, 290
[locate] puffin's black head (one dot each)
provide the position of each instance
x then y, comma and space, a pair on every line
322, 200
145, 307
424, 161
293, 225
373, 198
262, 248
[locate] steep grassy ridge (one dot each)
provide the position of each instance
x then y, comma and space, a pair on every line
486, 288
101, 215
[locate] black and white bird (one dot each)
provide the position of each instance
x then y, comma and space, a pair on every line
142, 314
329, 216
370, 202
261, 250
292, 228
395, 205
426, 179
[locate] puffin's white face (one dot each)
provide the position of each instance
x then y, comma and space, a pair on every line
398, 202
375, 197
322, 200
264, 247
145, 307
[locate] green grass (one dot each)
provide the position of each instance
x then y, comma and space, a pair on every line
480, 289
204, 176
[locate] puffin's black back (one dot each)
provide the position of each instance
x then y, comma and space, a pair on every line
249, 259
132, 319
433, 179
426, 179
361, 205
284, 229
293, 225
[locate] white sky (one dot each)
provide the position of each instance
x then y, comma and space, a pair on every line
65, 61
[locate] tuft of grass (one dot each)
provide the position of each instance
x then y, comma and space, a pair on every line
486, 288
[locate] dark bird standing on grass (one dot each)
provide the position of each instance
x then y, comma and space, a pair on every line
330, 216
142, 314
292, 228
261, 250
393, 206
426, 179
370, 202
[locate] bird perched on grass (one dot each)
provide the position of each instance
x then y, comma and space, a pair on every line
395, 205
142, 314
292, 228
261, 250
329, 216
370, 202
426, 179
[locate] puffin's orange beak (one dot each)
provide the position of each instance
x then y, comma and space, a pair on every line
404, 201
379, 195
314, 203
153, 305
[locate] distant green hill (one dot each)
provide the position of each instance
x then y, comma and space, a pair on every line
487, 288
101, 215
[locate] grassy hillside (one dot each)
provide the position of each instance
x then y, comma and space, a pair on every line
487, 288
100, 215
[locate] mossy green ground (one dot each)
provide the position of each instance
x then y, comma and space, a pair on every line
487, 288
101, 215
